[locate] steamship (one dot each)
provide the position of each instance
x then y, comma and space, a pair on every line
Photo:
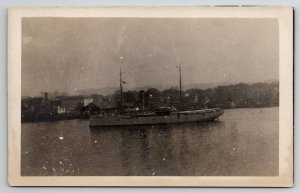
162, 115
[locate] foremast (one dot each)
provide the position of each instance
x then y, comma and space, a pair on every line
180, 93
121, 89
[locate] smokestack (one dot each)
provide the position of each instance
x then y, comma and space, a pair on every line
142, 99
46, 98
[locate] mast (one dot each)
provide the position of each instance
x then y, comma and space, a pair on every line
121, 89
180, 83
259, 92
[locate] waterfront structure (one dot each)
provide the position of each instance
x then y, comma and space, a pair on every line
71, 102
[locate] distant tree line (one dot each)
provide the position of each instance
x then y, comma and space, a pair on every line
232, 96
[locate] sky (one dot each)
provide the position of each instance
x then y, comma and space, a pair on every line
71, 54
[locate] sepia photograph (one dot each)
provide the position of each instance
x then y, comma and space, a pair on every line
150, 94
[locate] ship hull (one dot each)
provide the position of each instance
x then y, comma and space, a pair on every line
174, 118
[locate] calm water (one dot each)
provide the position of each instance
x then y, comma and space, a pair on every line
243, 142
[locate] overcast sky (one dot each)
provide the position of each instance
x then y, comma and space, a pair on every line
68, 54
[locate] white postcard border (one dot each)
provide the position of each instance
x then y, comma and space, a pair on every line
285, 19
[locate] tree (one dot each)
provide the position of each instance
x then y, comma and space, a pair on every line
153, 92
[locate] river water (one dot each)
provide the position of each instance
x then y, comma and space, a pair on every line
244, 142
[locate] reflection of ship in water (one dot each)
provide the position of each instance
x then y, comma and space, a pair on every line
151, 150
161, 115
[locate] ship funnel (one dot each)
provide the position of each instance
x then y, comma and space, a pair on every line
46, 98
142, 99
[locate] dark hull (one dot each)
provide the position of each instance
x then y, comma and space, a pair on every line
174, 118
